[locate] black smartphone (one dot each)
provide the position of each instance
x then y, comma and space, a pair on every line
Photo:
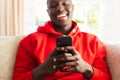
63, 41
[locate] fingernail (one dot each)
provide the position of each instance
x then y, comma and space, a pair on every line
54, 59
54, 67
62, 48
66, 50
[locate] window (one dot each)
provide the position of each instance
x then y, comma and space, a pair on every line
86, 14
88, 17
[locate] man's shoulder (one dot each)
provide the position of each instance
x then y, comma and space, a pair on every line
88, 35
33, 36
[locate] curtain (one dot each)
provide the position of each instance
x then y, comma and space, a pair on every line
11, 17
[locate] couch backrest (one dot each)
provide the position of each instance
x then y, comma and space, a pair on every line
113, 59
8, 48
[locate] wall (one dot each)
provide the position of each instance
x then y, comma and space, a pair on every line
110, 21
109, 28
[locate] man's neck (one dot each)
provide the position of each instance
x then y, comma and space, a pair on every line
63, 29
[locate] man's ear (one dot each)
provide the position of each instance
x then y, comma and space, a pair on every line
48, 11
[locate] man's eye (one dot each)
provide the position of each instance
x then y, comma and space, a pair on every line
53, 5
66, 3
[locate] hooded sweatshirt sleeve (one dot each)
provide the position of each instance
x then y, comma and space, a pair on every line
100, 67
25, 61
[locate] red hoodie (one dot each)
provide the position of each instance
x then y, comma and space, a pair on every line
34, 49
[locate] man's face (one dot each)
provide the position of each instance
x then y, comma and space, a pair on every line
60, 12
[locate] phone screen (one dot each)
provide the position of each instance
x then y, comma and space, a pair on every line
63, 41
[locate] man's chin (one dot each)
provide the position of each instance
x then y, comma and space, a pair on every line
61, 22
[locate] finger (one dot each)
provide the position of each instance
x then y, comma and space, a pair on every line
71, 69
68, 54
58, 56
60, 49
73, 63
54, 66
72, 50
56, 50
66, 58
54, 60
64, 55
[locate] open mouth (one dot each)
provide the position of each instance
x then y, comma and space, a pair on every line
62, 16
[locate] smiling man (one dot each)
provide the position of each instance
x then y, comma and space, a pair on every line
38, 57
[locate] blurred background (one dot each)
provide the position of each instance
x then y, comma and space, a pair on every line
99, 17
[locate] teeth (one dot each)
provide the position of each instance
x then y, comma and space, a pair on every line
61, 15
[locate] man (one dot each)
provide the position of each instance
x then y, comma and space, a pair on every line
38, 57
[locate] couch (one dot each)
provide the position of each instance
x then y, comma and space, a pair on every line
9, 45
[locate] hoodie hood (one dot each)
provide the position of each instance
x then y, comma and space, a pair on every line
49, 29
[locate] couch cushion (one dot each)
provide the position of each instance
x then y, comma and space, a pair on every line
8, 48
113, 59
9, 45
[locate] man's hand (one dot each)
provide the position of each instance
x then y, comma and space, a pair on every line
48, 67
74, 62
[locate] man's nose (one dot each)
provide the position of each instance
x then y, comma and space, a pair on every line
60, 8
